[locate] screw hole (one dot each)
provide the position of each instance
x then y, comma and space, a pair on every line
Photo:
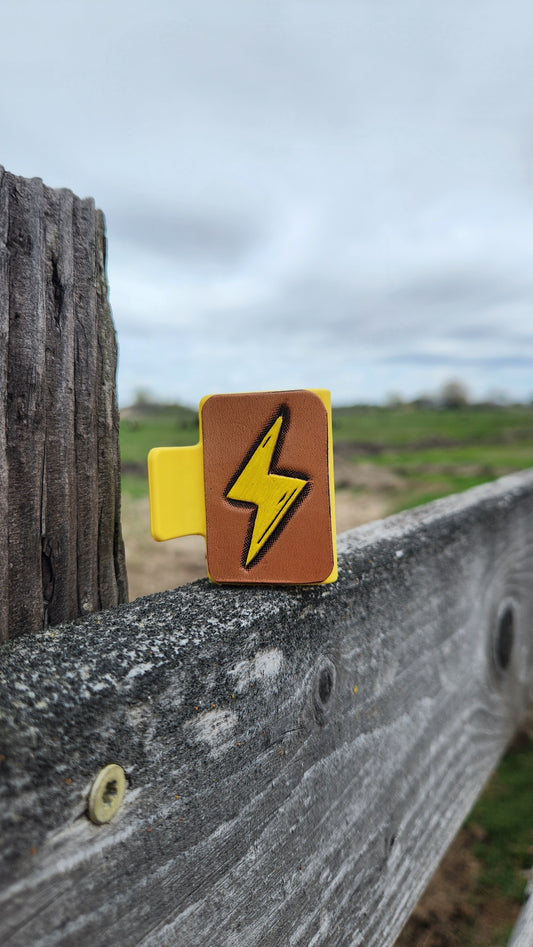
323, 691
325, 685
110, 791
505, 638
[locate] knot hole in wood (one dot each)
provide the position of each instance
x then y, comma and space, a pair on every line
504, 656
505, 637
323, 690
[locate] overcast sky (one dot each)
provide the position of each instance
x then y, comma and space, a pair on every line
298, 193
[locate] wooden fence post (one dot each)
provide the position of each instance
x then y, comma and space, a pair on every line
63, 554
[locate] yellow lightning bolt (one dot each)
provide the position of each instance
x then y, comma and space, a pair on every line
273, 494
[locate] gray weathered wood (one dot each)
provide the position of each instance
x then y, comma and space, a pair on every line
298, 759
523, 932
59, 460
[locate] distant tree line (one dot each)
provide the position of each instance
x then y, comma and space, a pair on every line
453, 394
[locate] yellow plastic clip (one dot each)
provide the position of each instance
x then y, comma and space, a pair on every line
258, 486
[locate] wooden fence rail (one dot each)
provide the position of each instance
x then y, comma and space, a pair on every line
297, 760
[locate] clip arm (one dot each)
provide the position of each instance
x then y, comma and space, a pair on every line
176, 484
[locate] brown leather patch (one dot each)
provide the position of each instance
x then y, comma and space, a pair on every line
246, 438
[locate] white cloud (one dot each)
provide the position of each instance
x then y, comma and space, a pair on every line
329, 192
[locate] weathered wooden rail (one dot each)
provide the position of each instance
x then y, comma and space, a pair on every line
297, 760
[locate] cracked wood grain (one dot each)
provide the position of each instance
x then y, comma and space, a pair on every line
59, 461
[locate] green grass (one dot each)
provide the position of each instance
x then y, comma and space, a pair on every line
506, 815
407, 425
147, 427
167, 427
418, 493
502, 821
436, 452
499, 456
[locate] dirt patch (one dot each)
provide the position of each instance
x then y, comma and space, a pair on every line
354, 509
152, 566
460, 906
365, 476
455, 910
443, 914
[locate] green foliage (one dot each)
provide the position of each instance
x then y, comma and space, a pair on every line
505, 813
145, 426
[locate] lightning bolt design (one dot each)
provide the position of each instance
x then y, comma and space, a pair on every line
273, 494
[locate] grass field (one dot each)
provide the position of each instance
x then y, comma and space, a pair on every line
430, 452
436, 452
391, 459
